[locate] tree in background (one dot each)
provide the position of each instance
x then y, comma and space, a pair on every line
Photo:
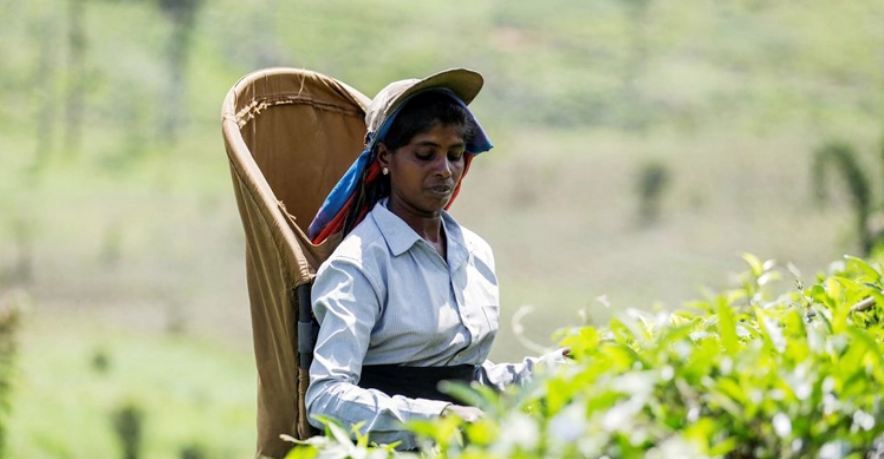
128, 422
9, 321
76, 78
182, 14
44, 83
260, 46
653, 179
22, 271
843, 158
637, 12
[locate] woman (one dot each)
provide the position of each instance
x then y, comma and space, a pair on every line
409, 297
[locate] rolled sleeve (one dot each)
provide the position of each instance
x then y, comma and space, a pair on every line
347, 306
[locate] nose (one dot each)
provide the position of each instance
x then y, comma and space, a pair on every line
444, 168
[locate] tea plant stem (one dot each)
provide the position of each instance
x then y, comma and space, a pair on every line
863, 305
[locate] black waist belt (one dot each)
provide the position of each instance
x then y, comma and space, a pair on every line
414, 382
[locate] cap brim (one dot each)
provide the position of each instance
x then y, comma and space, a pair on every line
463, 82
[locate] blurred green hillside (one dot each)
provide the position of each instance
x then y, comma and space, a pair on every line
620, 64
117, 216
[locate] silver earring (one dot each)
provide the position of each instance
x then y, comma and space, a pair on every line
385, 171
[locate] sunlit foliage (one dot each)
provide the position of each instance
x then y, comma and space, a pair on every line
756, 371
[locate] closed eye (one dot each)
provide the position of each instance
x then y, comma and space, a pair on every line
455, 155
424, 155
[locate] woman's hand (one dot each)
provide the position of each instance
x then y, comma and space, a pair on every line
467, 413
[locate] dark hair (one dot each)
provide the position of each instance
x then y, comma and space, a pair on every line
422, 112
419, 114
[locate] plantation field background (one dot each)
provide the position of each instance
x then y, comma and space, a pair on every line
124, 244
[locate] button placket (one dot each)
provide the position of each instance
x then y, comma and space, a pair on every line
462, 311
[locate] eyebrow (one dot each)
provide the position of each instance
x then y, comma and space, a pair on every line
429, 143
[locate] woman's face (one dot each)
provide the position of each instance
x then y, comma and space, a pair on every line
424, 172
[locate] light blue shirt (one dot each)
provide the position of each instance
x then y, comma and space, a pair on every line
386, 296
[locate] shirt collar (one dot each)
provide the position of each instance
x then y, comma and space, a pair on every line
400, 237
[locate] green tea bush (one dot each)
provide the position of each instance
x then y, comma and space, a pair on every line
756, 371
128, 423
193, 451
100, 361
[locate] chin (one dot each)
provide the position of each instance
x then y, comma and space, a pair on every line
440, 205
435, 202
434, 208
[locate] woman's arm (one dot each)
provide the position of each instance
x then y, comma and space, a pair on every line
347, 306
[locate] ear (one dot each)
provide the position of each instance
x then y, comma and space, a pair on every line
384, 155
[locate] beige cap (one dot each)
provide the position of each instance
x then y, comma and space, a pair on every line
464, 83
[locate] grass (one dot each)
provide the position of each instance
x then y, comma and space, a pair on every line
191, 390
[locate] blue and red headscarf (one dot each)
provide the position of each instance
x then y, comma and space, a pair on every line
348, 197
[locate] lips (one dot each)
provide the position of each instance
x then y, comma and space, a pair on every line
442, 190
